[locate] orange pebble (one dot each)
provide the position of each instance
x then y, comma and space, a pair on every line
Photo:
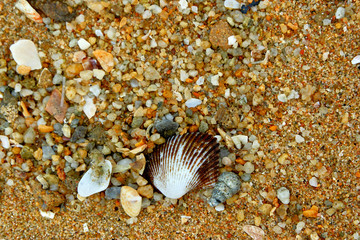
312, 212
357, 174
240, 160
45, 128
193, 128
273, 128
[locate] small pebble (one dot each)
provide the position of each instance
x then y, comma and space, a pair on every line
340, 13
25, 53
83, 44
283, 194
313, 182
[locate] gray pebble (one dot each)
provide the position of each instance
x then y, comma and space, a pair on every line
166, 128
246, 177
47, 152
58, 129
203, 126
112, 193
137, 122
227, 185
79, 133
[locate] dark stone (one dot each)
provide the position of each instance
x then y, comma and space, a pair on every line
8, 107
227, 185
97, 135
55, 10
166, 128
79, 133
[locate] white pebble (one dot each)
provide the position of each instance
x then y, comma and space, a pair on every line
17, 87
356, 60
232, 4
99, 33
83, 44
215, 80
282, 98
5, 143
340, 13
299, 227
249, 167
155, 9
183, 75
299, 139
10, 182
95, 89
200, 81
147, 14
47, 214
89, 107
192, 102
283, 194
313, 182
99, 73
25, 53
220, 207
183, 4
26, 92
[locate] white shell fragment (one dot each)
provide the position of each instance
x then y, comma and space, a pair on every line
192, 102
130, 201
356, 60
28, 10
95, 180
184, 163
25, 53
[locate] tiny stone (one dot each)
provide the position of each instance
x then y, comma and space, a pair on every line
283, 194
66, 130
151, 73
246, 177
112, 193
340, 13
299, 139
192, 102
313, 182
83, 44
146, 191
220, 207
29, 135
25, 53
248, 167
105, 59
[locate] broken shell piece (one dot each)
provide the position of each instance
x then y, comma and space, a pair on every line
184, 163
29, 11
25, 53
226, 187
95, 180
356, 60
130, 201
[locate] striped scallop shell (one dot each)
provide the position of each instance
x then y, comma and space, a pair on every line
184, 163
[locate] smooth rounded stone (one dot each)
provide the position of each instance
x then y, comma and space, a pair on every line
25, 53
328, 203
299, 227
155, 9
313, 182
137, 122
96, 179
157, 196
105, 59
232, 4
226, 161
265, 209
283, 194
166, 127
340, 13
47, 152
29, 135
246, 177
227, 185
83, 44
112, 193
146, 191
66, 130
147, 14
220, 207
193, 102
123, 165
5, 143
299, 139
249, 167
79, 133
139, 9
130, 201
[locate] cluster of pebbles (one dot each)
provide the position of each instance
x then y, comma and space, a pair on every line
80, 118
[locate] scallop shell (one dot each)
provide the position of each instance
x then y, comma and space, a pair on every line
130, 201
184, 163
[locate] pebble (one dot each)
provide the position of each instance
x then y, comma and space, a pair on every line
54, 106
79, 133
29, 135
248, 167
246, 177
25, 53
89, 107
299, 139
123, 165
5, 143
83, 44
227, 185
220, 207
47, 152
95, 180
151, 73
232, 4
340, 13
313, 182
66, 130
130, 201
254, 232
283, 194
105, 59
146, 191
219, 34
193, 102
299, 227
112, 193
166, 128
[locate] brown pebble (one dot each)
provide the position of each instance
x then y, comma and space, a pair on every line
54, 108
105, 59
146, 191
220, 33
23, 70
73, 70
